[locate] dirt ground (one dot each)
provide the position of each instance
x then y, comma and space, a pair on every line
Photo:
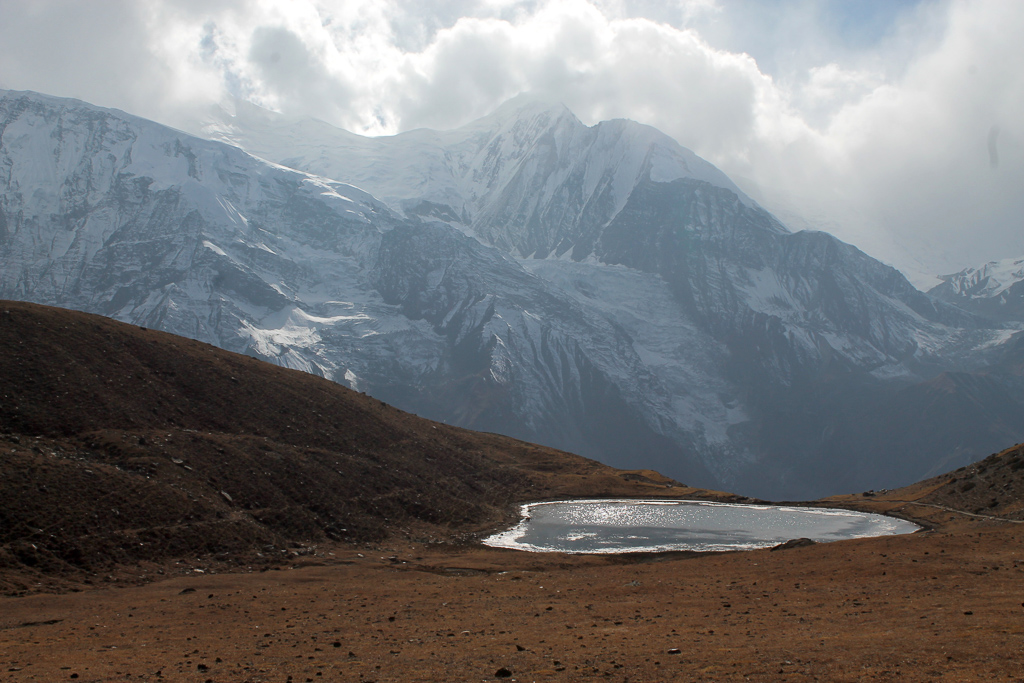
942, 604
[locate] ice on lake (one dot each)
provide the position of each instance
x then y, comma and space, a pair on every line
617, 526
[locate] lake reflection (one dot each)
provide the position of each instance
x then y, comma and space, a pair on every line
617, 526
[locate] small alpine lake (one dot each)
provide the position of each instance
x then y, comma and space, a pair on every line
623, 526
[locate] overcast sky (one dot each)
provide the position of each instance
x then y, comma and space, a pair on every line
898, 125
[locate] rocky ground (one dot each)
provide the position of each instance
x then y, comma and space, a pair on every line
943, 604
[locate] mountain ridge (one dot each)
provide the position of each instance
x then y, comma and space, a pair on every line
480, 176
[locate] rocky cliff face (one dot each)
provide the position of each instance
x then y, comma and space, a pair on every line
599, 289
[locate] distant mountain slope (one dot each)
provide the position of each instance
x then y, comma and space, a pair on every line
596, 289
995, 290
124, 445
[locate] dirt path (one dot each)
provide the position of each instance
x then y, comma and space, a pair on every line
975, 515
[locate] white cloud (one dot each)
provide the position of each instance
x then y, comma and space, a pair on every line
883, 136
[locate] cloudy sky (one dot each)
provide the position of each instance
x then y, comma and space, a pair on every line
898, 125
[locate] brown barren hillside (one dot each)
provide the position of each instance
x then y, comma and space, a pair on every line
123, 445
990, 489
130, 455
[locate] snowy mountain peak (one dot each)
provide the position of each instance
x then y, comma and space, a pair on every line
530, 178
990, 280
994, 290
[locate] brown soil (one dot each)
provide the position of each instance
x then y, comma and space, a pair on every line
125, 447
938, 605
407, 597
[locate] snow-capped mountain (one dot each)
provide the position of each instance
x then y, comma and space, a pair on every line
529, 178
599, 289
533, 181
113, 214
995, 290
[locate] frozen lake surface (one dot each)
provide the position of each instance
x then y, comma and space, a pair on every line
620, 526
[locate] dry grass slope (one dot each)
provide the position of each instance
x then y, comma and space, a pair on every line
122, 445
